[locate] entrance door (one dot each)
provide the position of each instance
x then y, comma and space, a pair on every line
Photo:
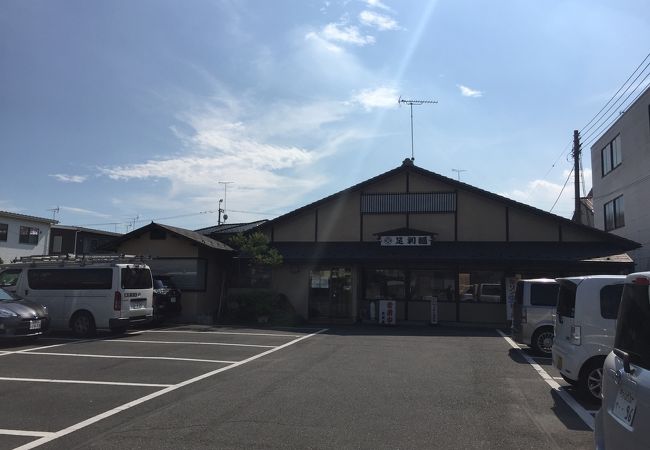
330, 294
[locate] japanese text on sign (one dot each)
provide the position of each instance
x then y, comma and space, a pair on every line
405, 240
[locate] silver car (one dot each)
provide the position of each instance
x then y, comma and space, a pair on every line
622, 421
21, 318
532, 314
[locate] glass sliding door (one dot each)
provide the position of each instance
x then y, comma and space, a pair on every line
330, 293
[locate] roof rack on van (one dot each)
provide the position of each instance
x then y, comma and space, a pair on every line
71, 258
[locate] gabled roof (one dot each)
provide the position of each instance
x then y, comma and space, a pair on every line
86, 230
26, 217
408, 166
230, 228
189, 235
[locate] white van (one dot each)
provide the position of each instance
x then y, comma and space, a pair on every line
585, 326
88, 293
532, 314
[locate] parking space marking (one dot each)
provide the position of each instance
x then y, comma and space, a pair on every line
131, 404
167, 358
28, 350
111, 383
26, 433
587, 418
126, 341
219, 332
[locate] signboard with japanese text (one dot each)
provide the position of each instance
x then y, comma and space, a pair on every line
387, 312
405, 240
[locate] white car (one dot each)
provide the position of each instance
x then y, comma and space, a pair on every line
622, 421
532, 317
585, 325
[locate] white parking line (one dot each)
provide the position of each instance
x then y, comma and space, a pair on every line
111, 383
86, 355
124, 407
126, 341
40, 434
27, 350
220, 332
564, 395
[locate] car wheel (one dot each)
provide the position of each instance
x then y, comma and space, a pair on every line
591, 379
542, 341
83, 324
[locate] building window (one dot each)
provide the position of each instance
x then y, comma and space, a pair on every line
28, 235
4, 229
611, 155
188, 274
614, 214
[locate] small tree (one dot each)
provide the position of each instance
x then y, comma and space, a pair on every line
256, 246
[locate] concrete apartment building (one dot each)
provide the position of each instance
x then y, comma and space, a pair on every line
620, 161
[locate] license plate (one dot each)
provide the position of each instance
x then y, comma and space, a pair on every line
34, 324
172, 299
625, 405
138, 304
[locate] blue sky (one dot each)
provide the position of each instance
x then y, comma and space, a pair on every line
125, 109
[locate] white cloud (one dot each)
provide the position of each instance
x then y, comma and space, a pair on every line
543, 194
83, 211
69, 178
379, 21
336, 32
469, 92
378, 4
323, 43
382, 97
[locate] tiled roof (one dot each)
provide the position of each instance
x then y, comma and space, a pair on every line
87, 230
230, 228
26, 217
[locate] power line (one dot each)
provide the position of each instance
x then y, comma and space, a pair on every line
560, 194
615, 94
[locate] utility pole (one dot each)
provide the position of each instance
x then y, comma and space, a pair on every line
577, 214
400, 100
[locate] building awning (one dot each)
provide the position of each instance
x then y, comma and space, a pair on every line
499, 253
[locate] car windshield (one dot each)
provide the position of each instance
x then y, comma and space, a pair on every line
9, 277
5, 296
159, 284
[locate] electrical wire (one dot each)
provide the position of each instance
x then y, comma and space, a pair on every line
560, 194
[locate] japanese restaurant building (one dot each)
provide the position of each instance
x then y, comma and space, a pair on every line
410, 234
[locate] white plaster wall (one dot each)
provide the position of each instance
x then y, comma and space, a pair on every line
12, 248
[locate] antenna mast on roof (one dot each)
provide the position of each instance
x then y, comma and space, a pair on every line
416, 103
55, 211
225, 192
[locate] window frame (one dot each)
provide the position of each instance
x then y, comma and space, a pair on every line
614, 214
612, 154
28, 232
4, 232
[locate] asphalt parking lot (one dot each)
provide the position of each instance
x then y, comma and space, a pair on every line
346, 387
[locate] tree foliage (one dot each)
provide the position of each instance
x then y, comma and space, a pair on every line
256, 246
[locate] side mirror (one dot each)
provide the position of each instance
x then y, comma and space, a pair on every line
625, 357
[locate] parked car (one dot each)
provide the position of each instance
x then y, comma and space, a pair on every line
89, 293
622, 421
585, 326
482, 292
532, 313
166, 298
21, 318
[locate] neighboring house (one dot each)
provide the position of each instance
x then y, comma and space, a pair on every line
410, 235
586, 210
225, 231
77, 240
197, 264
22, 235
620, 163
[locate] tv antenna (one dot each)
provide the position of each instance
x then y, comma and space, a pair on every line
55, 211
225, 192
400, 100
458, 171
